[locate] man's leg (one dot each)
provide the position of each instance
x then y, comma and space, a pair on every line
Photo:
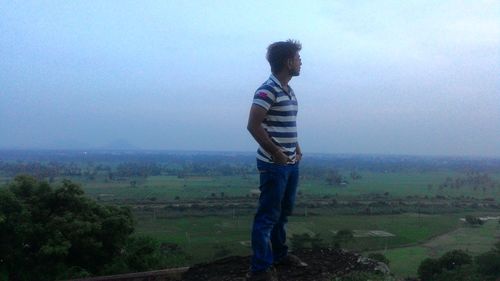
272, 187
278, 234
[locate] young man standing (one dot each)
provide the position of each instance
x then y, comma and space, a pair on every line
272, 123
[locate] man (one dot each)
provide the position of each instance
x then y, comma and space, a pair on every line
272, 123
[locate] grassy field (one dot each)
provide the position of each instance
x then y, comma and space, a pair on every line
199, 235
168, 187
398, 184
414, 237
475, 240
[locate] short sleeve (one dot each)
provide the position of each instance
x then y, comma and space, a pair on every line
264, 98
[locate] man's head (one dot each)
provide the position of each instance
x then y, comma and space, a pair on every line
284, 56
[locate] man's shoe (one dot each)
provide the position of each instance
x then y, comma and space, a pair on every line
291, 261
267, 275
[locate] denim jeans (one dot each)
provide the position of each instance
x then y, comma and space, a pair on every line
278, 187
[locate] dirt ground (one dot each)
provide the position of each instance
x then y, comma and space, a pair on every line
324, 265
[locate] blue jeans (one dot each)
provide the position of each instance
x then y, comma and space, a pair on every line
278, 187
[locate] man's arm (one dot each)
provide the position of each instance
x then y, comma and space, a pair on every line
257, 115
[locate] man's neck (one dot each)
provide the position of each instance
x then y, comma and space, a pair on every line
284, 78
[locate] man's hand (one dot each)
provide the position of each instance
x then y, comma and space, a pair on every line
298, 157
280, 158
298, 153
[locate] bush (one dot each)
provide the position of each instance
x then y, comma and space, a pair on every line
305, 240
343, 236
488, 263
428, 269
454, 259
473, 220
455, 265
464, 273
379, 257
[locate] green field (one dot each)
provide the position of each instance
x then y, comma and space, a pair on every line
198, 235
169, 187
416, 237
411, 237
475, 240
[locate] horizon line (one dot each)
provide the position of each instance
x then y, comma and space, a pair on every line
110, 150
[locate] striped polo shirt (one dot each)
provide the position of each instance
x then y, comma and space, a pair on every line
280, 121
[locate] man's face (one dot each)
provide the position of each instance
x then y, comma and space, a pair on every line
294, 65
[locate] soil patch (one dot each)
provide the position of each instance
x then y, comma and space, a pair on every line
324, 264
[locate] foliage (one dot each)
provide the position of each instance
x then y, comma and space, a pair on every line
379, 257
433, 269
305, 240
428, 269
138, 169
355, 175
459, 266
463, 273
489, 263
342, 236
333, 177
472, 180
48, 234
142, 254
454, 259
472, 220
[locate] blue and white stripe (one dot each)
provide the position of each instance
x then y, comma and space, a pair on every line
281, 120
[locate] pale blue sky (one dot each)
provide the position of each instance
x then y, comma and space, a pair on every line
397, 77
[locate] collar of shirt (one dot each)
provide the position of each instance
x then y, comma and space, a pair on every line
275, 80
272, 77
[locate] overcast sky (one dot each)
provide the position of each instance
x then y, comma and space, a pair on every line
389, 77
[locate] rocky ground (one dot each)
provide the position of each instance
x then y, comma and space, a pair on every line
324, 265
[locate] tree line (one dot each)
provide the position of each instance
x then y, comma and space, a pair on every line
472, 180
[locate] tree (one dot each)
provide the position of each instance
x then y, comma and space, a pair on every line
355, 175
333, 177
141, 254
474, 221
51, 233
447, 266
489, 263
454, 259
428, 269
463, 273
342, 236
